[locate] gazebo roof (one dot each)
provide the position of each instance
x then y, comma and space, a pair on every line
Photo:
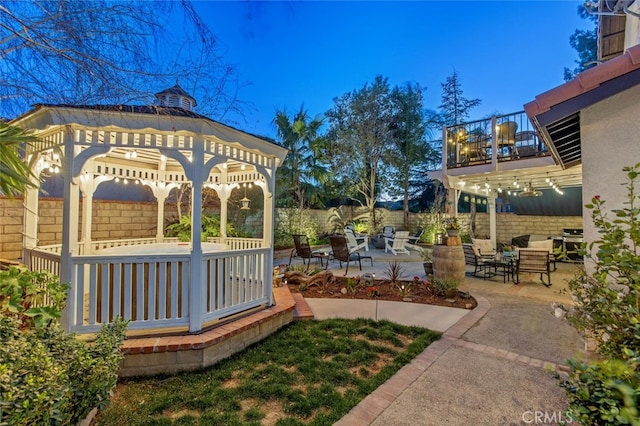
140, 138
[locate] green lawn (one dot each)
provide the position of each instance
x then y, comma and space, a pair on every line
310, 372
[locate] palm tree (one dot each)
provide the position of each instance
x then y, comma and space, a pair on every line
302, 170
15, 174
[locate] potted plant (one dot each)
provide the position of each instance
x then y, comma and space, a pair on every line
427, 261
452, 226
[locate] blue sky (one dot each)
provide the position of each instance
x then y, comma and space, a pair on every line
293, 53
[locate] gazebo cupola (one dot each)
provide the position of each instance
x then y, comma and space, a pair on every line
176, 96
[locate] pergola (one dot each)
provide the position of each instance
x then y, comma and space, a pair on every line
159, 285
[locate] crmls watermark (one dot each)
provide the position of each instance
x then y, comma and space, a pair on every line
546, 417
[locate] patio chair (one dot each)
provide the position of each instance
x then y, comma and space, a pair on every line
388, 232
506, 135
544, 245
412, 241
484, 247
340, 252
472, 257
355, 242
397, 243
303, 250
535, 261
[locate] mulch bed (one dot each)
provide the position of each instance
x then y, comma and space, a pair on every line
415, 291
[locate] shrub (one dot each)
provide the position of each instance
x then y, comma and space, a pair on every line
293, 221
341, 216
432, 223
603, 392
33, 299
393, 272
444, 285
607, 308
48, 376
608, 300
210, 228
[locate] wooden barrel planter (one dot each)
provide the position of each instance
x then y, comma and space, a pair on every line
448, 262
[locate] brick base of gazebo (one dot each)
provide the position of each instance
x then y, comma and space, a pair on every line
172, 354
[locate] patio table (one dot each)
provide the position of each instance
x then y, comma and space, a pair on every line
503, 265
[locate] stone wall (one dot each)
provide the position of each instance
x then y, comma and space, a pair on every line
508, 225
111, 220
121, 219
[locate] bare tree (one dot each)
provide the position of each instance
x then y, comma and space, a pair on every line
98, 51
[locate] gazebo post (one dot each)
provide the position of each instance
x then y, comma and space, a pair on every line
30, 202
223, 194
88, 186
161, 192
267, 226
197, 300
70, 201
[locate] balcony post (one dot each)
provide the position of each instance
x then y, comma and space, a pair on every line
445, 160
494, 141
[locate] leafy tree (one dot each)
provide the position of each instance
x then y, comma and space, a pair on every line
15, 174
409, 131
298, 177
455, 108
360, 141
585, 43
85, 52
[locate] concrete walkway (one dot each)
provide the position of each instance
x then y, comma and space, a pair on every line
492, 366
436, 318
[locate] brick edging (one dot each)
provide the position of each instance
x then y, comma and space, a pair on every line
284, 303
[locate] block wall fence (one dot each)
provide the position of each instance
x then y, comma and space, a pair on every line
122, 219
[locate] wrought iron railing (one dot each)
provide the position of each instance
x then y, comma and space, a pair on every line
496, 139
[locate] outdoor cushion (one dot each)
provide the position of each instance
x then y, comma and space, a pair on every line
542, 245
484, 246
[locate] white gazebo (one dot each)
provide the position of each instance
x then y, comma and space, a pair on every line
158, 283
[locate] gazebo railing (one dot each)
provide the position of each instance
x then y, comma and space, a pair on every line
149, 291
235, 243
42, 259
235, 282
104, 244
153, 292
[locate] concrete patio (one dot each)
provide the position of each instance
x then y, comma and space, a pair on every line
493, 365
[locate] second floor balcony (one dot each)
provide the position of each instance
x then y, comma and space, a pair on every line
491, 141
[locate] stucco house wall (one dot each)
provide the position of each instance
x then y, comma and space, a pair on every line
610, 132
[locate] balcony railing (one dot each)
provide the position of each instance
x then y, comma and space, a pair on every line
496, 139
